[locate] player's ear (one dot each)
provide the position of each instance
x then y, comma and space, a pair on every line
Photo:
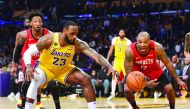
30, 23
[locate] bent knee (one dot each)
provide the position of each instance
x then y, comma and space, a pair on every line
168, 87
86, 80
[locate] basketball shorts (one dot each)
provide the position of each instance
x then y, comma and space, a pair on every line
59, 76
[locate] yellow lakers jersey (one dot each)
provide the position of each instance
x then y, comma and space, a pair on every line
56, 58
120, 47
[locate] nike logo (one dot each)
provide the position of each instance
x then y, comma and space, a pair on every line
137, 57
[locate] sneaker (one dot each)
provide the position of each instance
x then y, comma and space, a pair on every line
17, 96
110, 97
39, 105
11, 95
19, 103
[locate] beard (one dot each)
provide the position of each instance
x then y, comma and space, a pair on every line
68, 41
121, 36
37, 29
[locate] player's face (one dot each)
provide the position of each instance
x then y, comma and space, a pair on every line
71, 34
121, 34
36, 23
143, 45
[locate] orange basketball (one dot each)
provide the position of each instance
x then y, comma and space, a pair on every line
136, 81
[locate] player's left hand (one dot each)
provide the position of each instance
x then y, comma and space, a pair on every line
182, 85
112, 71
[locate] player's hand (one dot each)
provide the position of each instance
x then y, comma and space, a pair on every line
152, 83
182, 85
29, 72
112, 71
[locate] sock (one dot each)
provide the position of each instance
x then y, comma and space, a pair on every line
113, 86
38, 98
28, 106
57, 104
172, 106
55, 95
134, 105
23, 102
92, 105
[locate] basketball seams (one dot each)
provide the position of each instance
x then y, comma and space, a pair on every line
131, 84
136, 81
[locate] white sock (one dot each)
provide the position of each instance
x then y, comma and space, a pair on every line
92, 105
113, 86
28, 106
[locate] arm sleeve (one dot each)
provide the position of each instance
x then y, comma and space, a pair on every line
28, 54
17, 53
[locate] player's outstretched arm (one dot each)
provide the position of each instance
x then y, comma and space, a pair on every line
84, 47
161, 54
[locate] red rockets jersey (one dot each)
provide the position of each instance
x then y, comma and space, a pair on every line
147, 64
30, 40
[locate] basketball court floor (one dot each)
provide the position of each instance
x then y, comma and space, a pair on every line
102, 103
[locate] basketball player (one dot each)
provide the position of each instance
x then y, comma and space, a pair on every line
58, 50
187, 46
24, 39
141, 56
119, 44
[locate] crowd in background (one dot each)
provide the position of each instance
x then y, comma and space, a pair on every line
168, 29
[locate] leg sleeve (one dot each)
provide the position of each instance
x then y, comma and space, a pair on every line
39, 79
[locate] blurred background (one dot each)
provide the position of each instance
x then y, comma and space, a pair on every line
167, 22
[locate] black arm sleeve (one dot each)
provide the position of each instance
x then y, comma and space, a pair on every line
17, 53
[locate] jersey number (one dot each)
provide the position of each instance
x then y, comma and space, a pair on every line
143, 67
59, 62
119, 49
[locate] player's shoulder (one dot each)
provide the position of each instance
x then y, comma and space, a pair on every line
80, 45
157, 45
48, 38
128, 40
22, 33
114, 38
80, 42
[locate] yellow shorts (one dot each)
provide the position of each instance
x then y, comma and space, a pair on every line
119, 66
59, 76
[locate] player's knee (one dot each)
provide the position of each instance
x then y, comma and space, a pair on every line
52, 84
168, 88
86, 80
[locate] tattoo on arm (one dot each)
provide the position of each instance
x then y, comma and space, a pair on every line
128, 61
44, 42
84, 47
19, 42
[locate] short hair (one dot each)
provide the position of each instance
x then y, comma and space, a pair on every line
69, 23
121, 29
144, 34
32, 15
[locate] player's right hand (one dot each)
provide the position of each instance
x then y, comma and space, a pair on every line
152, 83
29, 72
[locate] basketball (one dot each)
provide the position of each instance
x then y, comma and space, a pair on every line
136, 81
